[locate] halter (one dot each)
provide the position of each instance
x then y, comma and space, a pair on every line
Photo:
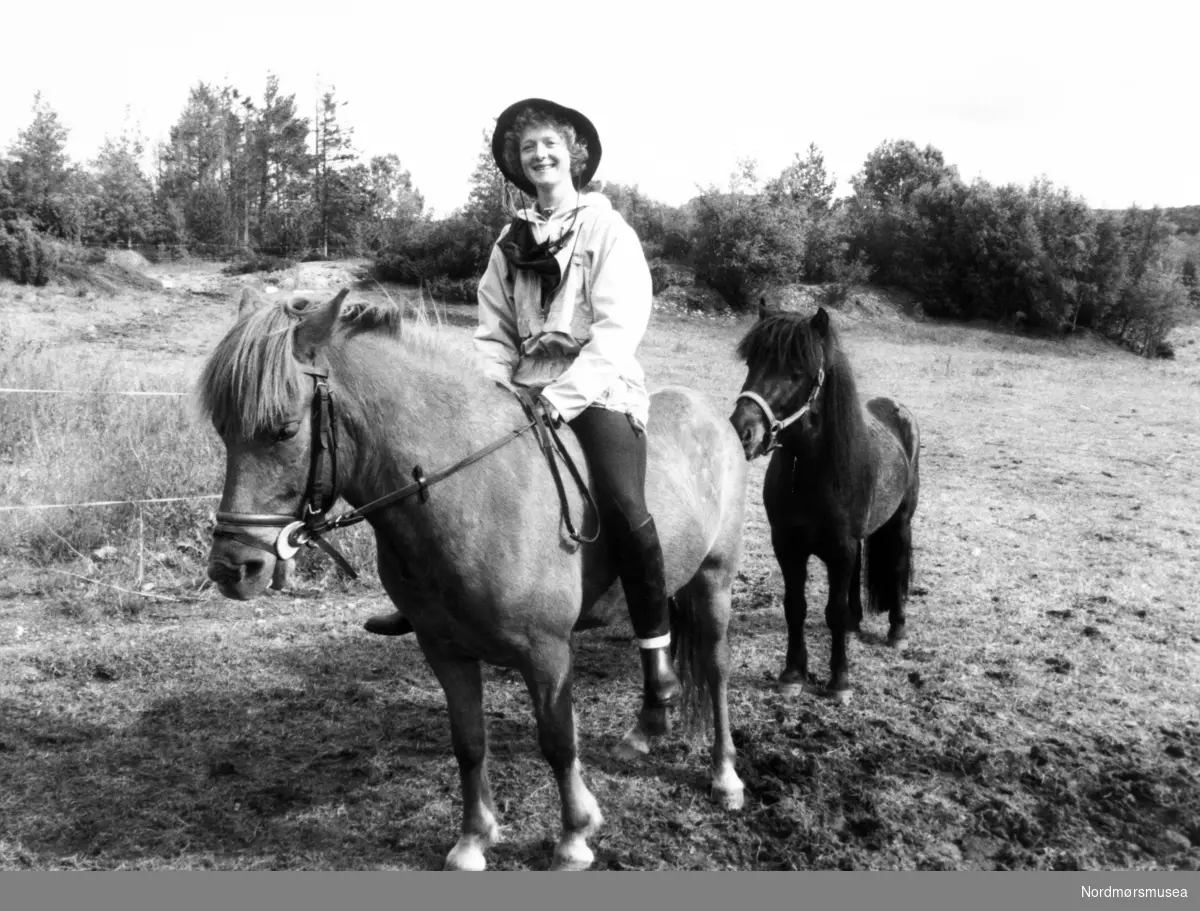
775, 426
321, 493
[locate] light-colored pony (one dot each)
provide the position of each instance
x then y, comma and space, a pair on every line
482, 568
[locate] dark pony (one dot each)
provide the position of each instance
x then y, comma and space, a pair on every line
842, 482
315, 402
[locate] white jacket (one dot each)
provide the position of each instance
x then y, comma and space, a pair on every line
580, 350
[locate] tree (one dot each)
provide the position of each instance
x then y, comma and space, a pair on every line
124, 205
39, 175
202, 167
741, 239
883, 224
491, 200
280, 167
332, 192
1191, 282
806, 182
391, 205
807, 188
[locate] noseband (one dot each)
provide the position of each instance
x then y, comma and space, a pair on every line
775, 426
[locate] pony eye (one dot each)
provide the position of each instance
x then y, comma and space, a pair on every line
287, 431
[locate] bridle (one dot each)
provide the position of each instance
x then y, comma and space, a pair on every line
775, 426
311, 524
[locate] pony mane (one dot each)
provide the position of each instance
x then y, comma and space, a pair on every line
252, 378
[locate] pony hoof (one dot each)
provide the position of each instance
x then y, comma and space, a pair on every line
840, 697
726, 789
469, 859
655, 722
728, 798
791, 682
633, 746
467, 854
572, 856
897, 638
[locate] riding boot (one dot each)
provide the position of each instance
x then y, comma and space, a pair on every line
642, 577
393, 624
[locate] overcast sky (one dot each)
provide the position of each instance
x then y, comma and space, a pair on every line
1101, 98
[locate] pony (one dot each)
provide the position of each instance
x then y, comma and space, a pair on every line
315, 400
842, 482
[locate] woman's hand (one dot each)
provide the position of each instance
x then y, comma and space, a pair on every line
551, 412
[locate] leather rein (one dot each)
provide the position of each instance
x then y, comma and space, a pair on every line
311, 525
775, 426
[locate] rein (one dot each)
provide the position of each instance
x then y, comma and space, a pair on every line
775, 426
321, 493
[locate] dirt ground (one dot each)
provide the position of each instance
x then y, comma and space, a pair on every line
1044, 714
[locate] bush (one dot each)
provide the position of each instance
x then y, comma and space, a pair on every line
25, 256
446, 253
258, 263
742, 240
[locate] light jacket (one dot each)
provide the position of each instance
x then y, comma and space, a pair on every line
579, 350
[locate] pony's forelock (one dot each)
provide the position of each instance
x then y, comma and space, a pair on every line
251, 378
783, 341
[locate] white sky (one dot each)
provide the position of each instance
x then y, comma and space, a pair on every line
1101, 98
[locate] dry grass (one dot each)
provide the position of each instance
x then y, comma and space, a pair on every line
1044, 714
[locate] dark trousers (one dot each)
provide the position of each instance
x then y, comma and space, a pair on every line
615, 449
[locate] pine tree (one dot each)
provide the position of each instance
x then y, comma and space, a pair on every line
489, 200
332, 191
39, 175
124, 197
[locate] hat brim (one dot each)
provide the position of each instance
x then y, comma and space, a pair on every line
584, 129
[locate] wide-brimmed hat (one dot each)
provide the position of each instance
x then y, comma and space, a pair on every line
583, 129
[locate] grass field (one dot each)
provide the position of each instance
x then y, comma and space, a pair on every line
1044, 714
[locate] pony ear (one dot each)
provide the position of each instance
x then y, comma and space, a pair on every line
251, 301
316, 325
820, 321
763, 312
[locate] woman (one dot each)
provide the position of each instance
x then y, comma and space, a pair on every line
563, 306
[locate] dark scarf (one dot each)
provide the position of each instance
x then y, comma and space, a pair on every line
522, 253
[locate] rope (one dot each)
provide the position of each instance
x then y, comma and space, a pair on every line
111, 503
88, 392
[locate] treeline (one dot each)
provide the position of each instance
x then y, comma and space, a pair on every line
258, 175
1032, 255
234, 172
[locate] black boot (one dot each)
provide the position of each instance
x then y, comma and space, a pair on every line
393, 624
643, 579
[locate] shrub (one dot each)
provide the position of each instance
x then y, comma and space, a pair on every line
25, 256
451, 252
258, 263
741, 240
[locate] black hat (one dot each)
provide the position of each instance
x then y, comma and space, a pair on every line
583, 129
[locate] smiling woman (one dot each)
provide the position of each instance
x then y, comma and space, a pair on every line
563, 307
